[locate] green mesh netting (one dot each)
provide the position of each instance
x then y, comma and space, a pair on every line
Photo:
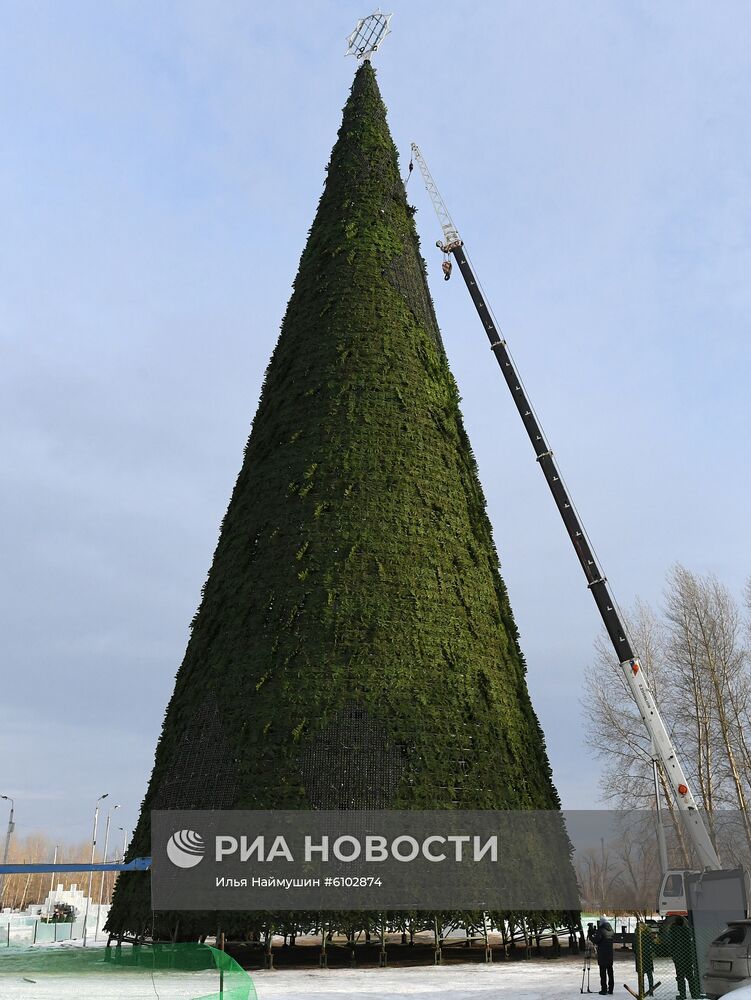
659, 959
162, 971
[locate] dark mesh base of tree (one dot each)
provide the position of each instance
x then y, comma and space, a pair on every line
354, 647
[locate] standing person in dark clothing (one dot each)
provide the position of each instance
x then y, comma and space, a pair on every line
603, 938
681, 942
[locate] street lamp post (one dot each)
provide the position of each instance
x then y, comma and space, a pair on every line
91, 870
52, 882
11, 828
101, 881
125, 841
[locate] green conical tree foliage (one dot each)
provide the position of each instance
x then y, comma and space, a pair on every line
354, 646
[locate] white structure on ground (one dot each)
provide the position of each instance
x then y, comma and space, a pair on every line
34, 925
76, 898
70, 897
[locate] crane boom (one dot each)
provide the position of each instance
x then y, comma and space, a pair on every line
662, 746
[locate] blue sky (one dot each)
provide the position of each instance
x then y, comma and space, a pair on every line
159, 170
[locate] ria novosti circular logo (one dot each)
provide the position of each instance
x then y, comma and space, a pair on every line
185, 848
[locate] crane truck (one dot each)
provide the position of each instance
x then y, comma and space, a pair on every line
675, 883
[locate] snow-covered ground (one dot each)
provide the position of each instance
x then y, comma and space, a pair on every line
533, 980
548, 979
118, 986
530, 980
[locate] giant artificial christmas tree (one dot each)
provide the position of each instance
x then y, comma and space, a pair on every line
354, 646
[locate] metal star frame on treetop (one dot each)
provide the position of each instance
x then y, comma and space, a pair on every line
368, 34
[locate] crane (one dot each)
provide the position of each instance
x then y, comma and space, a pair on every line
672, 896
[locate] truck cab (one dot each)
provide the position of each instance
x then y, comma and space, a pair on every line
671, 901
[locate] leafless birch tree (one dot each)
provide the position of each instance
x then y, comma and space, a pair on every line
695, 656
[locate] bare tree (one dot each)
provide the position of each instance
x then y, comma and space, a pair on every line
695, 658
707, 661
616, 731
23, 889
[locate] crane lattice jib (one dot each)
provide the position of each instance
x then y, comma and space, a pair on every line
662, 746
450, 234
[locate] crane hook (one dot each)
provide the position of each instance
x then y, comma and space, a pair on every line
409, 171
446, 266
